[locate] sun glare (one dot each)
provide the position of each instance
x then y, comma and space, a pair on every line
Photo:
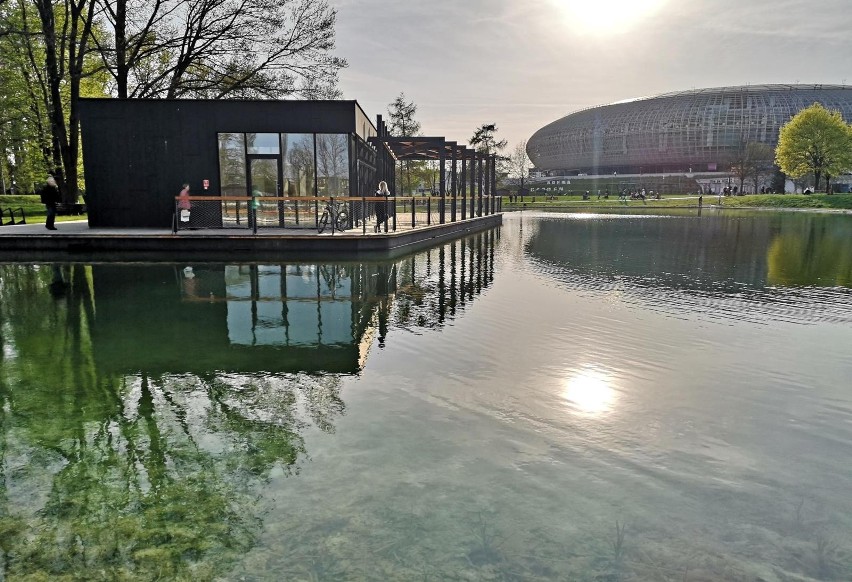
589, 392
607, 16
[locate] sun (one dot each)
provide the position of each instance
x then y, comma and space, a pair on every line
607, 16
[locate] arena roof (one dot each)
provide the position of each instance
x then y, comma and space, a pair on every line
677, 131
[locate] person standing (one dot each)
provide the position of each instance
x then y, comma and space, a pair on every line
381, 206
50, 197
184, 205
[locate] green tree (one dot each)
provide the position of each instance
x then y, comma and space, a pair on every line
428, 173
25, 140
484, 139
52, 60
52, 52
401, 123
815, 141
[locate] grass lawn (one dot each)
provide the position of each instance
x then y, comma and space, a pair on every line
834, 201
34, 210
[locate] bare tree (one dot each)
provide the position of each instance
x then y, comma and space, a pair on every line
332, 163
219, 48
753, 161
167, 48
519, 164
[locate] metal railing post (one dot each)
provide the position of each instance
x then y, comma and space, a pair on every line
429, 211
254, 205
364, 214
412, 211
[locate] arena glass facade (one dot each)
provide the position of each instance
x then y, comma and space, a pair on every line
688, 131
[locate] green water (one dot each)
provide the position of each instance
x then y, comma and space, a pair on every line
568, 397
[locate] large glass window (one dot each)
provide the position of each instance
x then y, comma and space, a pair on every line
297, 152
312, 164
333, 164
232, 164
262, 143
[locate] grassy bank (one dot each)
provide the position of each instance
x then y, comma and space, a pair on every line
822, 201
33, 209
834, 201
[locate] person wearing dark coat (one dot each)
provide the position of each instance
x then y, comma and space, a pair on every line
50, 197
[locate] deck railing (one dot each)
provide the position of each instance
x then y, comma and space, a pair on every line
353, 215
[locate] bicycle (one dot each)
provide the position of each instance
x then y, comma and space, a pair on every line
336, 213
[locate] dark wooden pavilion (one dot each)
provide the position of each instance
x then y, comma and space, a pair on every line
139, 152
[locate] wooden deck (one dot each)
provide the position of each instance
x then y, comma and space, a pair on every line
74, 240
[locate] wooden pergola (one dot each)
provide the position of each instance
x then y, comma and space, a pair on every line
472, 174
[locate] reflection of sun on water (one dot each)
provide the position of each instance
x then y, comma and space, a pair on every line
607, 16
589, 391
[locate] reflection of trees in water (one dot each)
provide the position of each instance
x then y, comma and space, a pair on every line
299, 165
820, 256
332, 164
435, 284
676, 251
109, 472
113, 476
718, 266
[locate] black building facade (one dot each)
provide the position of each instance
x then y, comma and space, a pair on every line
138, 153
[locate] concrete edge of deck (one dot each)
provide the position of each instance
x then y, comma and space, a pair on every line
118, 246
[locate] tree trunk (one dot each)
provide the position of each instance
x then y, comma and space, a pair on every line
54, 82
121, 68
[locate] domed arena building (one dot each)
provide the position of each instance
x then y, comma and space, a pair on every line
686, 132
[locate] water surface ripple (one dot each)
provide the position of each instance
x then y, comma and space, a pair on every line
566, 397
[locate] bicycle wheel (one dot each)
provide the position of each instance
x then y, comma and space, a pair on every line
323, 221
342, 222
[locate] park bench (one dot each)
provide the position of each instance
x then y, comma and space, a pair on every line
68, 209
7, 216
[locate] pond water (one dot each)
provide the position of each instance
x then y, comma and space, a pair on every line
567, 397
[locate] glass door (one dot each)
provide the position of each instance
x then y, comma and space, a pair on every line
265, 182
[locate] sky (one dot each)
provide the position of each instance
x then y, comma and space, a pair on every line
525, 63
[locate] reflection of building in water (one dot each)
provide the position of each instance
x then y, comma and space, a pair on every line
278, 318
318, 309
435, 284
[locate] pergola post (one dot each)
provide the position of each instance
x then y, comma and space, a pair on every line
489, 164
479, 183
493, 183
464, 183
455, 184
473, 157
442, 180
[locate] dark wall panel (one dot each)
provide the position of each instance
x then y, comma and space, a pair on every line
137, 153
